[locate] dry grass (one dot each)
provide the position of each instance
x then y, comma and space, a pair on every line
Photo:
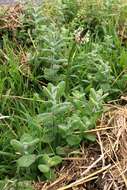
10, 18
100, 166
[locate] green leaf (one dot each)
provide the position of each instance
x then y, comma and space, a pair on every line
46, 158
93, 94
49, 74
26, 160
50, 175
17, 145
54, 161
43, 168
32, 143
62, 108
61, 150
28, 143
95, 103
47, 93
30, 146
63, 130
60, 89
51, 87
88, 123
48, 135
90, 137
73, 140
45, 118
26, 138
77, 123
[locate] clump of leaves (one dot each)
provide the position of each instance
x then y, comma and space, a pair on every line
63, 123
46, 165
67, 121
25, 148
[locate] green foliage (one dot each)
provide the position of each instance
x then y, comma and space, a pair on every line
70, 9
75, 61
63, 119
25, 148
26, 161
15, 185
26, 144
47, 163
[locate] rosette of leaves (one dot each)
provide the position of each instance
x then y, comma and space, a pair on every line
47, 164
25, 148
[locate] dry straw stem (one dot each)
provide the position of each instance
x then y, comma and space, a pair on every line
101, 148
117, 162
4, 117
117, 140
61, 178
85, 179
92, 165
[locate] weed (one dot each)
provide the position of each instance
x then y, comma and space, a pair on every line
74, 61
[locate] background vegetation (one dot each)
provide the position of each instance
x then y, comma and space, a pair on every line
58, 67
